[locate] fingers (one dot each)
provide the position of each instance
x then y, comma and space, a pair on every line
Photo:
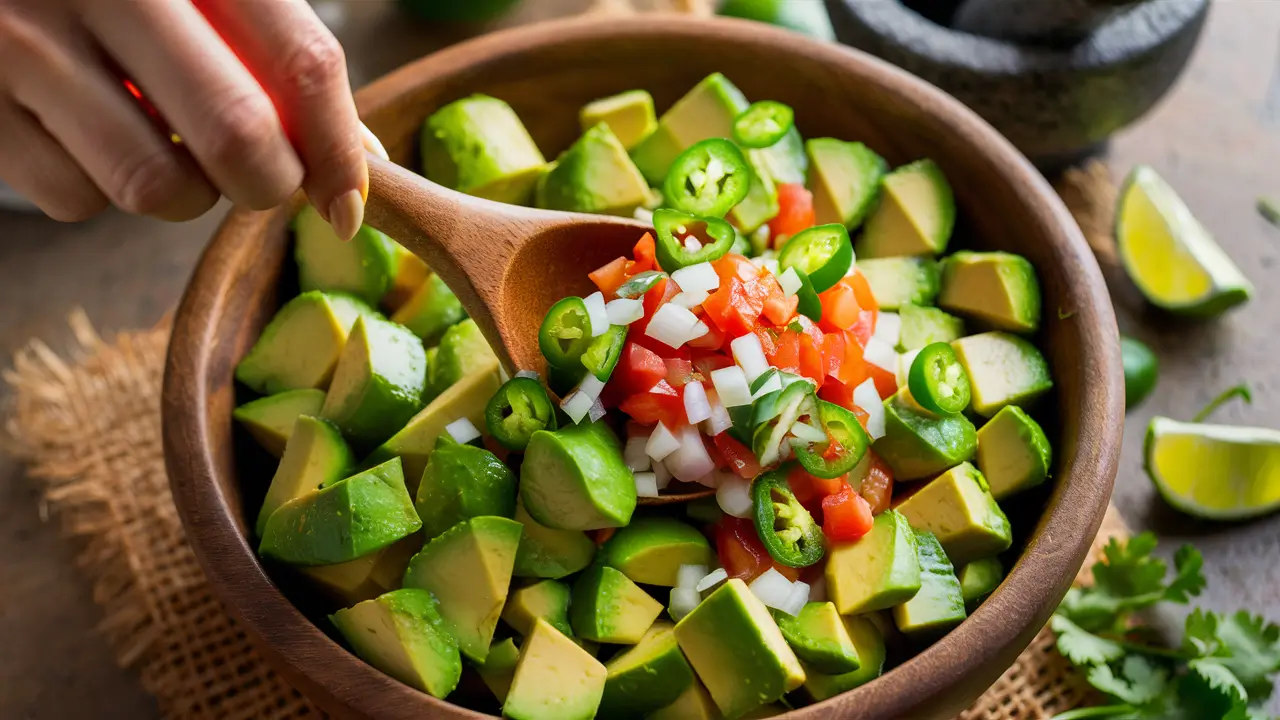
35, 165
204, 92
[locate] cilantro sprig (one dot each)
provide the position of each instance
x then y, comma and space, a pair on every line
1221, 669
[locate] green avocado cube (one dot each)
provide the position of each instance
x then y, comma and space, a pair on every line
315, 455
915, 215
939, 606
554, 679
923, 326
630, 115
761, 203
478, 146
402, 634
367, 576
546, 599
462, 349
595, 175
845, 180
364, 266
819, 638
430, 311
785, 162
377, 386
979, 579
695, 703
958, 508
499, 667
1013, 452
550, 553
706, 111
299, 348
878, 570
899, 281
917, 444
575, 478
651, 550
1003, 370
606, 607
270, 420
646, 677
462, 482
996, 288
869, 642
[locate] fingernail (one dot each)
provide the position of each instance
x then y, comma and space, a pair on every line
346, 214
372, 143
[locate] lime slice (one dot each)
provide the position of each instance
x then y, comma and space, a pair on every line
1169, 255
1217, 472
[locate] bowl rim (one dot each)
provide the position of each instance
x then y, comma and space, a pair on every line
1002, 627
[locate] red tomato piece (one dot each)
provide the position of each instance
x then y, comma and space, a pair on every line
714, 338
808, 488
832, 354
837, 393
661, 404
795, 213
785, 353
862, 291
778, 308
812, 364
708, 362
845, 516
602, 535
839, 308
853, 371
877, 486
645, 253
679, 371
734, 309
732, 265
742, 554
886, 382
638, 370
738, 457
610, 277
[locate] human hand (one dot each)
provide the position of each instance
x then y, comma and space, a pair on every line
257, 91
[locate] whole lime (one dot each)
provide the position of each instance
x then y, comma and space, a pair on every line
462, 11
1141, 370
804, 16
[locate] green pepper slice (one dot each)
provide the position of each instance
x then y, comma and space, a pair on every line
639, 284
708, 179
787, 531
565, 332
824, 253
763, 124
833, 460
774, 414
518, 410
601, 356
937, 380
810, 304
713, 236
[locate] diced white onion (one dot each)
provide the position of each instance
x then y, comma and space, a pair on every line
661, 443
790, 282
672, 325
713, 578
692, 244
798, 598
772, 588
624, 311
711, 479
734, 497
644, 215
888, 328
664, 475
689, 575
577, 406
770, 264
697, 277
462, 430
905, 360
773, 383
646, 484
699, 329
633, 453
868, 398
882, 355
719, 420
528, 374
683, 601
591, 386
732, 387
808, 433
597, 411
597, 313
749, 355
691, 461
690, 299
696, 405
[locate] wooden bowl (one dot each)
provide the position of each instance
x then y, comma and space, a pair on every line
547, 72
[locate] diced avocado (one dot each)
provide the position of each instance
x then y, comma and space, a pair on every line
917, 445
546, 599
738, 651
761, 203
609, 608
923, 326
595, 175
647, 677
916, 214
499, 667
997, 288
878, 570
575, 479
958, 508
402, 634
707, 111
844, 178
898, 281
299, 348
365, 266
369, 576
478, 146
462, 349
343, 521
939, 606
785, 162
694, 703
550, 553
819, 638
431, 311
554, 680
1013, 452
466, 399
651, 550
630, 115
315, 455
469, 570
869, 641
411, 273
377, 386
1003, 370
270, 420
979, 579
462, 482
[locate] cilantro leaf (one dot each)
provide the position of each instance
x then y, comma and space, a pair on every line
1252, 648
1220, 679
1082, 647
1140, 681
1188, 580
1200, 636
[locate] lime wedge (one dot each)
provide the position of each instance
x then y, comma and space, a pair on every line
1217, 472
1169, 255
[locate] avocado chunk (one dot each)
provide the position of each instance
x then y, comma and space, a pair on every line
431, 311
707, 111
997, 288
958, 508
923, 326
939, 606
365, 266
546, 599
499, 667
462, 482
917, 444
343, 521
819, 638
377, 386
315, 455
916, 214
554, 679
647, 677
761, 203
1003, 370
462, 349
466, 399
978, 580
737, 650
609, 608
411, 273
595, 175
878, 570
299, 348
1013, 452
844, 178
550, 553
785, 162
869, 642
629, 115
651, 550
899, 281
270, 420
694, 703
575, 479
367, 576
402, 634
469, 570
478, 146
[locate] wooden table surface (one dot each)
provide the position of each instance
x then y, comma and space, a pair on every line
1216, 138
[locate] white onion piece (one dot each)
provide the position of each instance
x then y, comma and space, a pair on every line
596, 312
691, 461
808, 433
597, 411
711, 479
462, 430
689, 575
882, 355
798, 598
713, 578
732, 387
790, 282
672, 325
577, 406
528, 374
719, 420
624, 311
644, 215
905, 361
664, 475
888, 328
770, 264
633, 453
868, 398
591, 386
696, 405
773, 589
661, 443
749, 355
690, 298
683, 601
693, 278
692, 244
734, 497
646, 484
773, 383
698, 330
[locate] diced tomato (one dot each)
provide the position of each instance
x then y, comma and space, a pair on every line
708, 362
602, 535
808, 488
862, 290
496, 448
610, 277
713, 340
886, 382
638, 370
845, 516
778, 308
795, 213
785, 351
661, 292
839, 308
645, 255
877, 486
731, 265
738, 457
734, 308
853, 371
661, 404
742, 554
832, 354
679, 371
837, 393
812, 341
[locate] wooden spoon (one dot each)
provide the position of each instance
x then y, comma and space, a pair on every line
507, 264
